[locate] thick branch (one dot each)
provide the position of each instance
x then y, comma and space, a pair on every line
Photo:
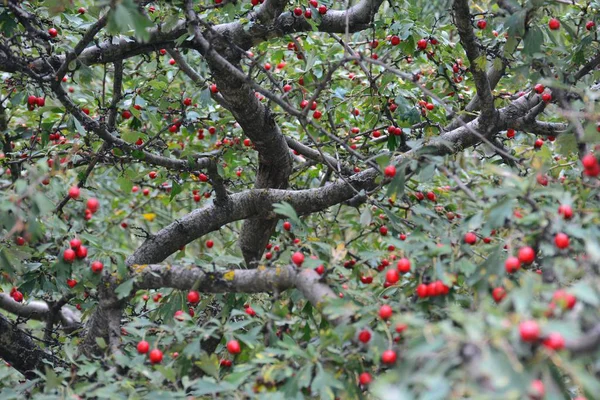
39, 310
19, 349
470, 44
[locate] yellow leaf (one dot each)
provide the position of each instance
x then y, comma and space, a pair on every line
229, 275
149, 217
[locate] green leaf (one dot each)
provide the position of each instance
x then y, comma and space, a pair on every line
209, 364
124, 288
533, 40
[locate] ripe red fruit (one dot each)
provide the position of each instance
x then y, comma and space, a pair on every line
364, 336
481, 24
155, 356
193, 297
383, 230
554, 24
561, 240
365, 378
537, 390
403, 265
210, 244
566, 211
69, 255
422, 44
529, 331
320, 270
322, 9
71, 283
422, 290
390, 171
81, 10
526, 255
187, 102
388, 357
143, 347
214, 89
41, 102
17, 296
152, 174
297, 11
547, 97
32, 100
287, 225
93, 204
307, 14
74, 192
20, 240
317, 115
385, 312
431, 196
539, 88
510, 133
512, 265
470, 238
392, 276
233, 347
52, 32
589, 161
75, 243
498, 294
172, 61
225, 363
589, 25
542, 179
97, 267
564, 299
298, 258
395, 40
126, 114
81, 252
554, 341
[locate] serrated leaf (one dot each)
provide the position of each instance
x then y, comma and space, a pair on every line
124, 288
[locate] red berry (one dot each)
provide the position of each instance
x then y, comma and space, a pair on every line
155, 356
214, 89
470, 238
307, 14
17, 296
97, 267
510, 133
539, 88
392, 276
385, 312
187, 102
537, 390
365, 378
143, 347
422, 290
364, 336
561, 240
554, 24
481, 24
547, 97
93, 204
210, 244
526, 255
395, 40
297, 11
126, 114
74, 192
20, 240
431, 196
152, 174
53, 32
193, 297
529, 331
322, 9
41, 102
388, 357
566, 211
554, 341
383, 230
512, 265
75, 243
390, 171
172, 61
81, 252
71, 283
233, 347
287, 225
589, 25
589, 161
538, 143
403, 265
298, 258
422, 44
317, 115
69, 255
498, 294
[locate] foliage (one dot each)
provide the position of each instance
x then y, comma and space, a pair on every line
461, 344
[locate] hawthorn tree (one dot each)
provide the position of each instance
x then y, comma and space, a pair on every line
369, 199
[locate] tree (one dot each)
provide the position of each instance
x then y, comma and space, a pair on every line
375, 199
